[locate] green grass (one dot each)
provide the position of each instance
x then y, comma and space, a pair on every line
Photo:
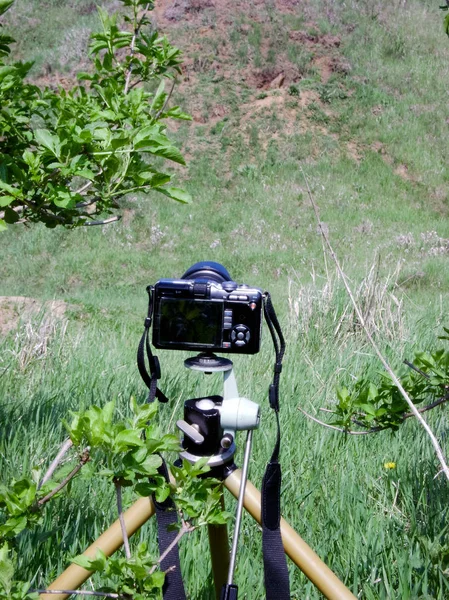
384, 532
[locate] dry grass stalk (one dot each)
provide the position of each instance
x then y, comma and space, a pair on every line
36, 325
316, 306
414, 410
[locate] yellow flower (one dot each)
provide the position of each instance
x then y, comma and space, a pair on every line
390, 465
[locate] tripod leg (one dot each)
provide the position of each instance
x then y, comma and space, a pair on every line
219, 552
109, 542
295, 547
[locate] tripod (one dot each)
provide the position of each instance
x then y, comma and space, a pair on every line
209, 427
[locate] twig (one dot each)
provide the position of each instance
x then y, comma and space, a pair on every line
84, 458
340, 429
185, 528
371, 429
104, 222
384, 362
87, 185
167, 100
54, 465
80, 593
412, 366
118, 491
87, 202
133, 45
405, 416
441, 400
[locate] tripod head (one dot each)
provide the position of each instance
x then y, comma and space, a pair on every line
210, 422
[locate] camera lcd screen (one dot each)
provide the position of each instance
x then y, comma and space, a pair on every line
193, 322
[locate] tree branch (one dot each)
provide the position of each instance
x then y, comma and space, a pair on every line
81, 593
412, 366
118, 492
340, 429
54, 465
185, 528
104, 222
441, 400
383, 360
84, 458
133, 45
87, 202
167, 100
405, 416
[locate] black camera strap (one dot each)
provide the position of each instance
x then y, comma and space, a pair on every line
152, 377
277, 584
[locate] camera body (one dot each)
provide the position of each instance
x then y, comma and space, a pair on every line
206, 311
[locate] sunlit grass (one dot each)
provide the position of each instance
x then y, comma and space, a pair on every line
375, 159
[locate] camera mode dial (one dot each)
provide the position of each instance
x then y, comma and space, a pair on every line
229, 286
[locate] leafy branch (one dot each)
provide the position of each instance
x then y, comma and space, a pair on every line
126, 453
68, 157
379, 407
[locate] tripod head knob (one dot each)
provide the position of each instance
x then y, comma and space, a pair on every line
239, 414
190, 431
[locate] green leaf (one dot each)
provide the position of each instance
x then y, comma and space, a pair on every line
5, 5
3, 226
127, 438
176, 194
64, 199
6, 200
11, 190
158, 578
169, 152
159, 98
6, 568
146, 489
87, 174
31, 159
176, 113
146, 135
13, 526
162, 493
7, 70
91, 564
48, 140
446, 24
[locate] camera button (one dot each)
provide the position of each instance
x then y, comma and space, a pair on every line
240, 335
240, 343
228, 313
233, 297
243, 297
227, 325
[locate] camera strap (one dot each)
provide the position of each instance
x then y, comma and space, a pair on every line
152, 377
277, 584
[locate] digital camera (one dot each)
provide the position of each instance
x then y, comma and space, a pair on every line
206, 311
